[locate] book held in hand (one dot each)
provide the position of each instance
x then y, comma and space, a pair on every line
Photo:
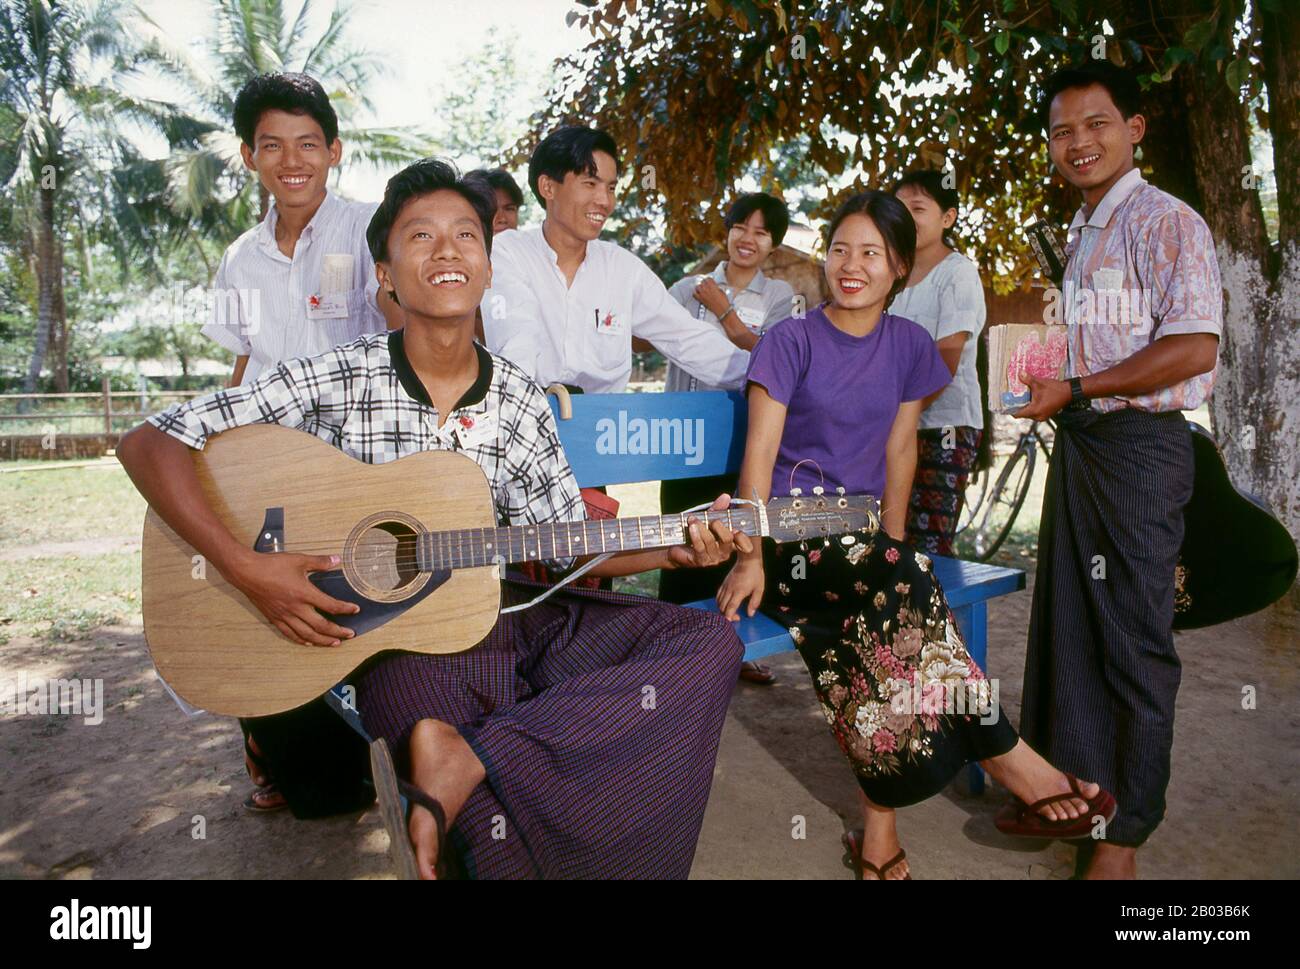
1038, 349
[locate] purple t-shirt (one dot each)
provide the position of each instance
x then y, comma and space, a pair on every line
842, 394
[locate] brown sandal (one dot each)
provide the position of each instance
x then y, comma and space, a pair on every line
1023, 820
854, 859
757, 673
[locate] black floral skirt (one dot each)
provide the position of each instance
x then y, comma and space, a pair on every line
905, 701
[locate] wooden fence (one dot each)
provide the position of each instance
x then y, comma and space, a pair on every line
50, 431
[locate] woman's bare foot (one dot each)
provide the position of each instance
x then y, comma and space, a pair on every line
445, 767
880, 840
1112, 862
1026, 775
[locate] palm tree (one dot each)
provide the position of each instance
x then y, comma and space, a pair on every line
253, 37
69, 169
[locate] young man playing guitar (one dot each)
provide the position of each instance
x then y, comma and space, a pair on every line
1144, 306
578, 739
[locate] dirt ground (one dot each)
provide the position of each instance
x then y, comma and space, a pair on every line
127, 798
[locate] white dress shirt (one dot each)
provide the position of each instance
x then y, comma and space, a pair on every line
260, 298
582, 334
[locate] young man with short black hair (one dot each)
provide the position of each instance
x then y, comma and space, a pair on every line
296, 284
301, 280
565, 305
1144, 305
535, 749
510, 198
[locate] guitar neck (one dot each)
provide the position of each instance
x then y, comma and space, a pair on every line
471, 547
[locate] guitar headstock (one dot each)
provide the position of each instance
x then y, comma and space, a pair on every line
800, 517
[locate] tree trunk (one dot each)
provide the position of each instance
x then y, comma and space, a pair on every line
1256, 402
59, 324
49, 273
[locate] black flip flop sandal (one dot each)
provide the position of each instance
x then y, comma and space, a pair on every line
853, 858
391, 790
250, 802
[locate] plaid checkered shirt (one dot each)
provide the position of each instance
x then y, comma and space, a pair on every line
365, 399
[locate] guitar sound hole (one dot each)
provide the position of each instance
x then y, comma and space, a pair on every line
384, 556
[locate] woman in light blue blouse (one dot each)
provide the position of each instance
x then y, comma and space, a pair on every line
943, 294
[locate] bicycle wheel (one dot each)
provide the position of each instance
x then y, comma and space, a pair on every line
1003, 503
977, 489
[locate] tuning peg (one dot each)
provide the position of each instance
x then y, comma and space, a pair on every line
818, 489
795, 492
839, 491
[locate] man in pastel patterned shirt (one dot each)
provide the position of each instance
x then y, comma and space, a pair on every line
1143, 303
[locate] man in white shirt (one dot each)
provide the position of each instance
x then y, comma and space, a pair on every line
301, 281
565, 305
297, 284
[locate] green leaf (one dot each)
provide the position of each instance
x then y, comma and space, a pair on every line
1198, 34
1002, 41
1238, 73
953, 28
1069, 9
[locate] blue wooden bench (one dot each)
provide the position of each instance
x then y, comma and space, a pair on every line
626, 438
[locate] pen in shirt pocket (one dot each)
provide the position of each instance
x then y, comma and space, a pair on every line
597, 318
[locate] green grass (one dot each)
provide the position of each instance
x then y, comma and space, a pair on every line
68, 504
66, 597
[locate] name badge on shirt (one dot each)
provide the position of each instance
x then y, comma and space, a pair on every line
475, 430
1107, 280
607, 324
327, 306
751, 317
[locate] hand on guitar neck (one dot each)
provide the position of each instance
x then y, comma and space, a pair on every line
163, 470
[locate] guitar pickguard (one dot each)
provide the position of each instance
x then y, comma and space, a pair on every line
373, 614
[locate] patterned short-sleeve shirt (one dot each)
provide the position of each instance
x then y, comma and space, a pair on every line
365, 399
1140, 267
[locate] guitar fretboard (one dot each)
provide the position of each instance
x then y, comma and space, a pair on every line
468, 548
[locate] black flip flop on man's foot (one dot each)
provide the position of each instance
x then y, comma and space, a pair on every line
267, 799
390, 790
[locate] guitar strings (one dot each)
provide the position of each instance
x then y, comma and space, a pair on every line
411, 558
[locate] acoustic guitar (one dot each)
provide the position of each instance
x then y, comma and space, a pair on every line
420, 551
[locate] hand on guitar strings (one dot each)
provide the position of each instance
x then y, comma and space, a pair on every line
711, 545
277, 584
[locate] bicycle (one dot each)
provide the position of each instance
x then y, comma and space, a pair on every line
994, 508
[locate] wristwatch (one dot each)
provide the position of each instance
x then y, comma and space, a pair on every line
1077, 397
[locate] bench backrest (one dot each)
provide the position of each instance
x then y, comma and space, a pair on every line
621, 438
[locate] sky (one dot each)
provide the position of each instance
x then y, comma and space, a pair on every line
423, 41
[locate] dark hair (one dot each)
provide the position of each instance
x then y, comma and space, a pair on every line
499, 178
1120, 84
931, 183
422, 178
776, 217
295, 93
895, 224
568, 150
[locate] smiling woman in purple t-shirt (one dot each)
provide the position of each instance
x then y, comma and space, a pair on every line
834, 401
